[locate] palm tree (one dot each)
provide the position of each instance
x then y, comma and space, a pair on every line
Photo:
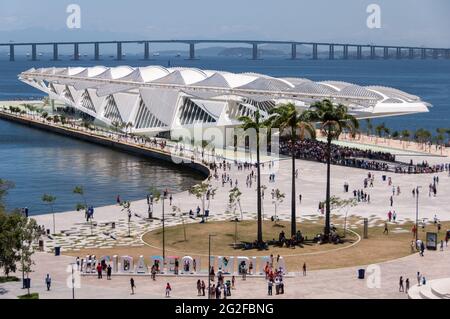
386, 131
255, 123
379, 129
333, 120
369, 126
422, 135
441, 135
287, 118
447, 131
406, 134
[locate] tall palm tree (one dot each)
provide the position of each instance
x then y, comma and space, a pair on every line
369, 126
406, 134
256, 124
333, 120
288, 119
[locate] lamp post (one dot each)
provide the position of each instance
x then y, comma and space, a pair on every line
209, 264
164, 234
417, 212
73, 281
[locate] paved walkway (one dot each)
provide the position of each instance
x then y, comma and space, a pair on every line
330, 283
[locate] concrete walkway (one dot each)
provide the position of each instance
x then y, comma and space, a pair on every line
322, 284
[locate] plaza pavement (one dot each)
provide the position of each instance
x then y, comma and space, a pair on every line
333, 283
310, 183
319, 284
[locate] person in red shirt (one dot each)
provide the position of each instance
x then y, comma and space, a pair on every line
99, 271
168, 290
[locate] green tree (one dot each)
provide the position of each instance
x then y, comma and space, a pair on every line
333, 120
337, 203
380, 129
440, 137
17, 233
278, 199
297, 124
5, 186
9, 242
234, 200
176, 210
80, 191
422, 135
406, 134
369, 126
29, 234
255, 123
200, 191
50, 200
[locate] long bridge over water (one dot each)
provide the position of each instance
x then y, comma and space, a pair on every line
358, 51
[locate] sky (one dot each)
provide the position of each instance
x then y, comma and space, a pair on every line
403, 22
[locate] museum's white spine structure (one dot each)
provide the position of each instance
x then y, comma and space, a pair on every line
156, 99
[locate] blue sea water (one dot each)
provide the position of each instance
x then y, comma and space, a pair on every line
39, 162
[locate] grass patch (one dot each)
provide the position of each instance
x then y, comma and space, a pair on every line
377, 248
225, 233
33, 295
4, 279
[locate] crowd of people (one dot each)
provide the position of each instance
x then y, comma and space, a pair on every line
340, 155
315, 150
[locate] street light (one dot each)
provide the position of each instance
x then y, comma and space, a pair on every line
209, 264
164, 234
73, 281
417, 212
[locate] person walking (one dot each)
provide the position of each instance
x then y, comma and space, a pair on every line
422, 248
199, 288
203, 288
168, 290
304, 269
401, 288
407, 285
99, 271
48, 281
419, 278
133, 286
386, 230
269, 287
108, 272
153, 272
